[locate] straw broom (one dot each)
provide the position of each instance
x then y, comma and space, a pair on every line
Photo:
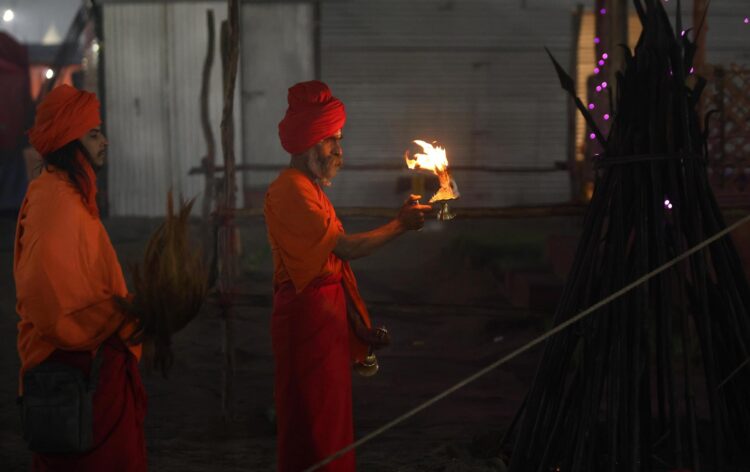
170, 286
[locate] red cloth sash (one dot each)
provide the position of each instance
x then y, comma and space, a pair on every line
119, 411
313, 383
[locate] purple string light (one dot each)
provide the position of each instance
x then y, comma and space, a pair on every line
601, 62
591, 106
747, 20
603, 11
597, 40
605, 56
598, 88
592, 136
604, 85
596, 70
606, 116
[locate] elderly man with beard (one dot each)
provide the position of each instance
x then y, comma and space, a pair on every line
320, 325
68, 280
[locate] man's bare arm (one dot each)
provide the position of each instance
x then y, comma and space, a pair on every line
354, 246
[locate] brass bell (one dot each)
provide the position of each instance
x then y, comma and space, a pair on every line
368, 367
445, 214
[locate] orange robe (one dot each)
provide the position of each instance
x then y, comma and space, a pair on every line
67, 275
314, 345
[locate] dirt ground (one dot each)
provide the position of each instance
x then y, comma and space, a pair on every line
438, 292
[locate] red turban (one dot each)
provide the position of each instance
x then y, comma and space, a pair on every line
313, 115
64, 115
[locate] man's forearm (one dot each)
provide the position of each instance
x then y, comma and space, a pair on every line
354, 246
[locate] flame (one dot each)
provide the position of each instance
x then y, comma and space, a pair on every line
433, 158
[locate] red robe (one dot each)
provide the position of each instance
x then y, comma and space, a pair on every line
313, 343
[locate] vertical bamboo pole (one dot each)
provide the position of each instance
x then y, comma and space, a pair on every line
617, 24
228, 233
699, 9
575, 169
209, 160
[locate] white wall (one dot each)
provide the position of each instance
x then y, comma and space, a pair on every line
277, 52
154, 57
472, 74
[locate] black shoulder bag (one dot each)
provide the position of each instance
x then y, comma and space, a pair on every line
56, 407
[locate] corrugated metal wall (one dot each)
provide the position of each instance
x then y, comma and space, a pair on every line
154, 59
728, 37
471, 74
277, 51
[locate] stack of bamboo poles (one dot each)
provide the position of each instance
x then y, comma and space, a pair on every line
658, 379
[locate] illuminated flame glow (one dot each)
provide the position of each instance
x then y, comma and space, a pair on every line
433, 159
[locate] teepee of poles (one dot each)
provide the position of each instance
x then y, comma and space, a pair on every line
658, 379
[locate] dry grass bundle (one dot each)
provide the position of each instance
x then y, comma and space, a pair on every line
170, 285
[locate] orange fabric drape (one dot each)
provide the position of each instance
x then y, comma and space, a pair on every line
67, 274
303, 230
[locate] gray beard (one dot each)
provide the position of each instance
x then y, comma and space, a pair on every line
316, 167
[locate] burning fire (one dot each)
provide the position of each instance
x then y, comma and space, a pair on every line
432, 158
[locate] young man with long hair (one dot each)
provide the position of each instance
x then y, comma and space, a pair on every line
68, 280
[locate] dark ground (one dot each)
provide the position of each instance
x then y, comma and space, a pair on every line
440, 293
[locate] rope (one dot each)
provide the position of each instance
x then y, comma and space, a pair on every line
528, 346
639, 158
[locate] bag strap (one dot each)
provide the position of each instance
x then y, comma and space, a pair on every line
95, 366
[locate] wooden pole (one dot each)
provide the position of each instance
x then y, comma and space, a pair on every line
575, 169
700, 20
208, 161
617, 19
227, 234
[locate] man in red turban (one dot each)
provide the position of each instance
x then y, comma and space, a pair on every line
320, 325
68, 279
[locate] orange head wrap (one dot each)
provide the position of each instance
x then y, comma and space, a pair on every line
313, 115
65, 115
